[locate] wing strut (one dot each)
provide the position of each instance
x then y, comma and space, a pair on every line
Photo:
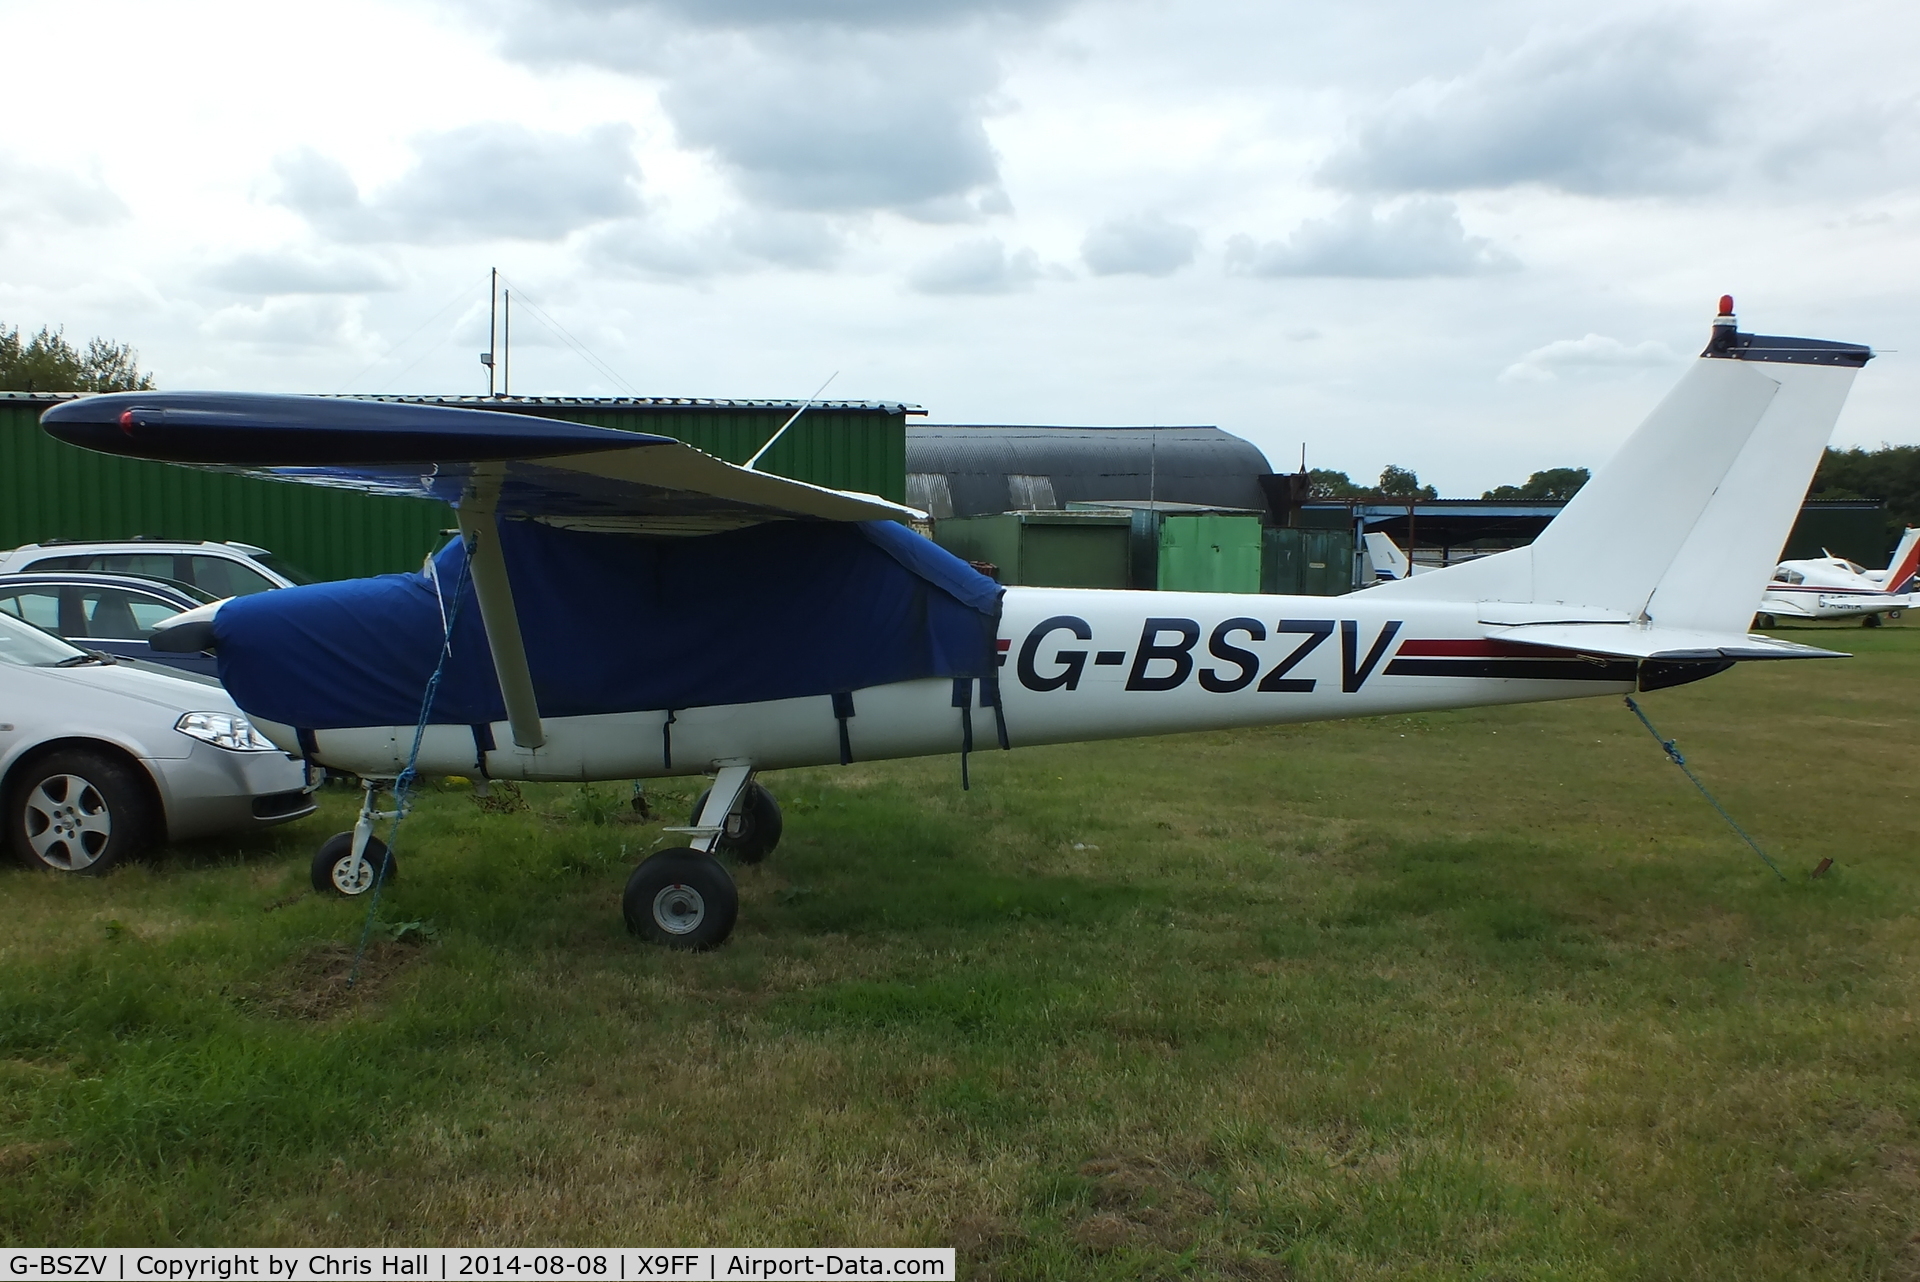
495, 596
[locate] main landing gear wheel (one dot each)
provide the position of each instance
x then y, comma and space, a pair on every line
683, 899
1870, 621
1763, 621
753, 827
334, 872
77, 811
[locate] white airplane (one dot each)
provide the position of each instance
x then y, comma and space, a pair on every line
623, 606
1832, 587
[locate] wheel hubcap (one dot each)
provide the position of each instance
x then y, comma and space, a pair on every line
353, 876
679, 909
68, 823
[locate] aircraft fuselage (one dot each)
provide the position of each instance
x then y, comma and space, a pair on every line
1074, 664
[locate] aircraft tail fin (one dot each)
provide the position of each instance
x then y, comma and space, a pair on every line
1904, 565
1680, 529
1386, 558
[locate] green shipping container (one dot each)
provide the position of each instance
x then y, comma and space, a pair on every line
1043, 549
1210, 554
50, 490
1306, 562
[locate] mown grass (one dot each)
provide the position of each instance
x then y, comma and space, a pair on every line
1479, 994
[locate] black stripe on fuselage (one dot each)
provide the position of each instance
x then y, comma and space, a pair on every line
1619, 670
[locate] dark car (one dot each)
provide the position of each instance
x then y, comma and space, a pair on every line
115, 613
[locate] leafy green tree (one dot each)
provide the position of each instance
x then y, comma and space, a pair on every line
1324, 484
46, 362
1395, 483
1554, 483
1403, 483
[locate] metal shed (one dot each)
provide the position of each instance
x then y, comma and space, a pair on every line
958, 471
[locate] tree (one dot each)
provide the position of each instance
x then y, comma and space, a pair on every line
1555, 483
1323, 484
48, 363
1403, 483
1395, 483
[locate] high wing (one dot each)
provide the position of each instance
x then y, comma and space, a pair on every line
489, 466
565, 474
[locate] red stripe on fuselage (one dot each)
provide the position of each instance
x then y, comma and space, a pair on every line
1477, 649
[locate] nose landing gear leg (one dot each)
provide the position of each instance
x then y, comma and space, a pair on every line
348, 863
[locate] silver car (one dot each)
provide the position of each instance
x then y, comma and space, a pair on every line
221, 569
101, 759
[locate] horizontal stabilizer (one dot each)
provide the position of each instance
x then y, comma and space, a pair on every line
1634, 641
568, 474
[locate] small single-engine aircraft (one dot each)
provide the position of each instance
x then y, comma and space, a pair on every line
623, 606
1832, 587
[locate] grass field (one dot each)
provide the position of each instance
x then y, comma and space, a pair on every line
1484, 994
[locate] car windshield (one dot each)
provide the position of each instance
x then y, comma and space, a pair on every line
28, 646
285, 568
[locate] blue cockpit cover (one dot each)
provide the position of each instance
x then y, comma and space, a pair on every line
618, 623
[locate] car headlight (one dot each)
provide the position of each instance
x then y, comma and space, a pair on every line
224, 730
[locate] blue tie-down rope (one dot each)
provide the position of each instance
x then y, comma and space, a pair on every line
403, 783
1673, 754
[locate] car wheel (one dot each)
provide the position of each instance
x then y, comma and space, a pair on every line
78, 811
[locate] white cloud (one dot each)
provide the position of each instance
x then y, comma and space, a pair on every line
980, 266
292, 271
746, 241
295, 322
1422, 237
50, 197
821, 105
477, 182
1595, 352
1622, 108
838, 128
881, 14
1142, 244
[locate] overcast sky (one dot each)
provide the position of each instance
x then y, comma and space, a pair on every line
1473, 239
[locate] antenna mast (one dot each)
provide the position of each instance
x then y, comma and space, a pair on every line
506, 344
493, 318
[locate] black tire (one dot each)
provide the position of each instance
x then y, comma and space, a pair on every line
682, 899
1763, 621
1870, 621
332, 860
77, 811
753, 828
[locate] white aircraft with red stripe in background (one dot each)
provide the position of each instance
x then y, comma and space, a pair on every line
1832, 587
623, 606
